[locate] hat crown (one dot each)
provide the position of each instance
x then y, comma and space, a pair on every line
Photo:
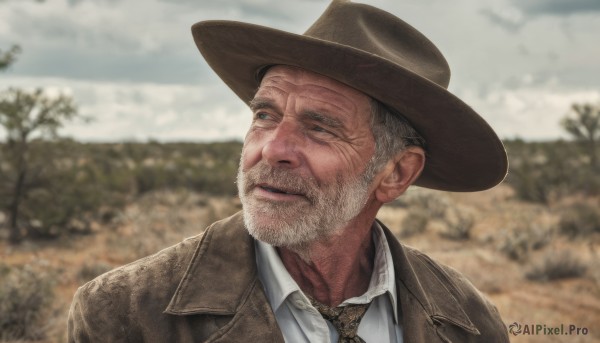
380, 33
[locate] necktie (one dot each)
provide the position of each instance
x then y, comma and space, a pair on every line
345, 319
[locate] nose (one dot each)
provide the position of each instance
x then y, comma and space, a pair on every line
282, 149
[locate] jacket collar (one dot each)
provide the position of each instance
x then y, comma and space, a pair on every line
418, 275
223, 272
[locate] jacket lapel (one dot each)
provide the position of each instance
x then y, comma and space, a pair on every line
428, 307
222, 280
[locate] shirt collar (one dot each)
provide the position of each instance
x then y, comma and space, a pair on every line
279, 284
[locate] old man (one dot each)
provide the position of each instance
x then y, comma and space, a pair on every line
345, 118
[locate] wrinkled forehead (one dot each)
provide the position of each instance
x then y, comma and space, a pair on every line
287, 79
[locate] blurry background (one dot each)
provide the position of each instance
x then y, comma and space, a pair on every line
117, 140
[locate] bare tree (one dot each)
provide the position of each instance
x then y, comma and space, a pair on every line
25, 115
8, 57
584, 126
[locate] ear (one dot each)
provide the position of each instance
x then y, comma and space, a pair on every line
399, 173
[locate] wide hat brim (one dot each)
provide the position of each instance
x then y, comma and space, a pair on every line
463, 152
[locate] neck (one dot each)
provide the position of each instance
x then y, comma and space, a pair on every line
336, 268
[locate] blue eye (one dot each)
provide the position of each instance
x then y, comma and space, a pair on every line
322, 132
262, 115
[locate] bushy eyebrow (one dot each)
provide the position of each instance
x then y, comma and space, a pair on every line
262, 103
326, 120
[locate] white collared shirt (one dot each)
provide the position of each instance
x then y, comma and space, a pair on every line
300, 322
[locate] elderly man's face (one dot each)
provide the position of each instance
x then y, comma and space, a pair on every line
302, 172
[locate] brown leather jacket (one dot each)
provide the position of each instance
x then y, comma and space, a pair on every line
206, 289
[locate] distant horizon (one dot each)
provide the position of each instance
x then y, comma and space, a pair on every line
150, 140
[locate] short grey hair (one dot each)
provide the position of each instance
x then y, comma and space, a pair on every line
392, 134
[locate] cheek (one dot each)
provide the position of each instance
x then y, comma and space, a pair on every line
327, 165
351, 159
251, 152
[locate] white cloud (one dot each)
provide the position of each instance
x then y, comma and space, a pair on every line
528, 112
142, 111
165, 118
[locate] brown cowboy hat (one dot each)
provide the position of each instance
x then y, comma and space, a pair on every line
384, 57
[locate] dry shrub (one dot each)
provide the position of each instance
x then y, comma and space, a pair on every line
459, 223
555, 266
434, 203
414, 223
580, 219
162, 218
26, 295
519, 243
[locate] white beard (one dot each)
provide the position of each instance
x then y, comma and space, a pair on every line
323, 211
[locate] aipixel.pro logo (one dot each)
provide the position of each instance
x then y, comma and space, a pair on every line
547, 330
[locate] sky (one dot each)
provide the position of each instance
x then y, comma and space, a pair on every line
132, 65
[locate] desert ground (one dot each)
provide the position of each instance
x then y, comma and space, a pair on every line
509, 249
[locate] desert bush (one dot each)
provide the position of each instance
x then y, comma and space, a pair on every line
515, 246
150, 178
67, 191
414, 223
544, 171
555, 266
540, 172
520, 241
459, 224
580, 219
68, 204
529, 185
583, 124
77, 184
156, 220
26, 294
207, 168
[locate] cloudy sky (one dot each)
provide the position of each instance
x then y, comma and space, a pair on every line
132, 65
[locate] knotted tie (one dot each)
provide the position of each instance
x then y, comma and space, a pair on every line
345, 319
